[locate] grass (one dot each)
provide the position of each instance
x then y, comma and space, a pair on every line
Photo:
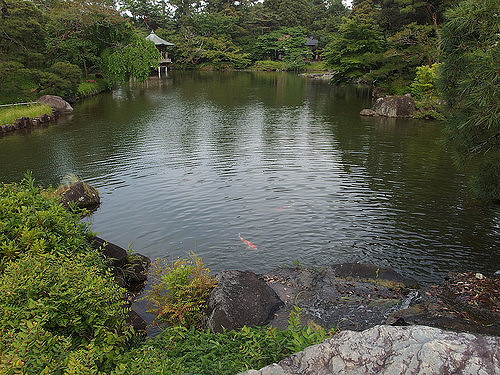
9, 114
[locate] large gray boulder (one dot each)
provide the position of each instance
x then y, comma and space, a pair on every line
395, 106
57, 103
394, 350
240, 298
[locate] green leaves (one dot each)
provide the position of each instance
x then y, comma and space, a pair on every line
179, 291
178, 350
134, 59
471, 86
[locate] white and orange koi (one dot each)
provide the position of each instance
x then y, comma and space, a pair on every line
248, 243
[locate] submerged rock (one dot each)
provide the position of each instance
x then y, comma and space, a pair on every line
240, 298
394, 350
57, 103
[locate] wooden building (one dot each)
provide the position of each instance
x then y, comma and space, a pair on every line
162, 46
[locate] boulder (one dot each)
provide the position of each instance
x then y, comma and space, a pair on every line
136, 270
240, 298
368, 112
57, 103
116, 255
395, 106
81, 194
394, 350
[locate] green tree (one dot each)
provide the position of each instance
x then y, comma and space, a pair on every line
357, 48
471, 86
22, 33
132, 59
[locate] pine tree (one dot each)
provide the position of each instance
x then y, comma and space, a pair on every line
471, 86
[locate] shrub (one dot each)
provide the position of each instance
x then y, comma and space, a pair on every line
75, 296
179, 291
179, 350
425, 92
67, 71
18, 83
269, 65
92, 87
31, 221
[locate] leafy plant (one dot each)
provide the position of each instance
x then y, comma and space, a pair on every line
179, 291
33, 222
181, 350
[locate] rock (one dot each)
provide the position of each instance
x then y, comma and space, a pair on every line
136, 270
116, 255
240, 298
395, 106
81, 194
135, 320
462, 302
394, 350
345, 296
57, 103
368, 112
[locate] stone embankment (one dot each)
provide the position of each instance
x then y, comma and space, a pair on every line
59, 107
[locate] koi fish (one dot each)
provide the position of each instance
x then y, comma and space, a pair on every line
288, 206
248, 243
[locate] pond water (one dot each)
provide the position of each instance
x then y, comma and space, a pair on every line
192, 161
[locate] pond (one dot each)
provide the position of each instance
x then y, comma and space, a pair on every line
193, 161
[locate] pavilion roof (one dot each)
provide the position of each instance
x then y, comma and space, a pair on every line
157, 40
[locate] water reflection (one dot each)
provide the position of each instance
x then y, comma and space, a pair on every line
188, 161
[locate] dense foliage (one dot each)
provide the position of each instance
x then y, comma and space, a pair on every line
471, 86
179, 350
51, 47
59, 308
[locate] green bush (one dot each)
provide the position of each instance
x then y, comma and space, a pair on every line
75, 296
269, 65
32, 221
71, 75
179, 350
179, 291
18, 83
425, 92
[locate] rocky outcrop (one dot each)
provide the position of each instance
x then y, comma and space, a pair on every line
392, 106
346, 296
130, 270
240, 298
57, 103
463, 302
394, 350
80, 194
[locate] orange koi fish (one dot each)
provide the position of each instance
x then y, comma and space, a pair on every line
248, 243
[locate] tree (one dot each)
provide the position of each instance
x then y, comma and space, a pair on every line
21, 32
470, 81
356, 49
132, 59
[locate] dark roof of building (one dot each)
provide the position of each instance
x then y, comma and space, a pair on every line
157, 40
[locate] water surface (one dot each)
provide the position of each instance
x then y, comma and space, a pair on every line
191, 161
